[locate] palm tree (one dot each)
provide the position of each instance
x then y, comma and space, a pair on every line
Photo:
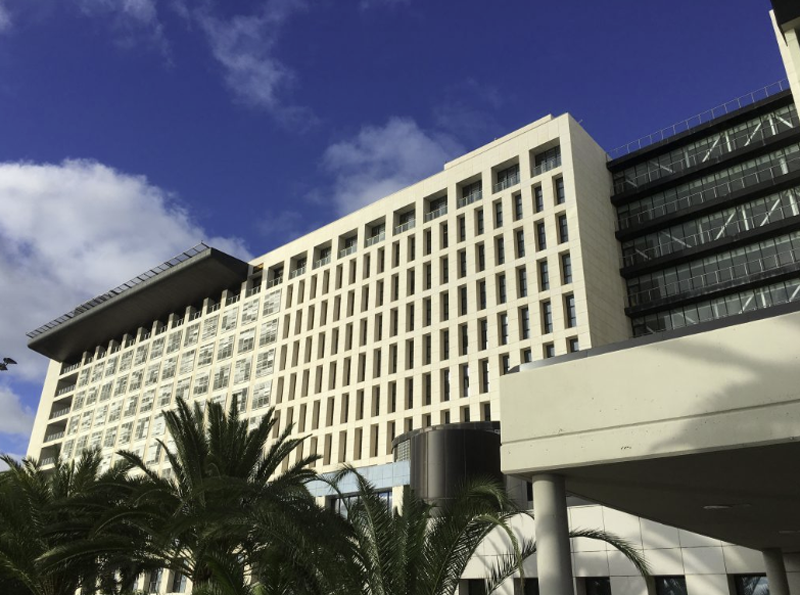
42, 513
424, 550
223, 475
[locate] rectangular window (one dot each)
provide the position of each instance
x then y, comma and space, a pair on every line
670, 585
464, 380
544, 276
478, 221
524, 323
462, 228
570, 315
463, 335
573, 345
547, 317
559, 188
522, 282
462, 263
498, 214
481, 295
549, 350
538, 199
566, 268
483, 333
541, 236
502, 321
462, 300
520, 242
481, 253
563, 231
500, 251
517, 207
484, 376
501, 289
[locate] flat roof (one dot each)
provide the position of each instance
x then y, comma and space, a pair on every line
193, 275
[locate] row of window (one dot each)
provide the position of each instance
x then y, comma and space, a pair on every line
712, 227
728, 305
741, 264
435, 206
711, 147
711, 186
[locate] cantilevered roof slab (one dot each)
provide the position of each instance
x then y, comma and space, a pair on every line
186, 279
699, 430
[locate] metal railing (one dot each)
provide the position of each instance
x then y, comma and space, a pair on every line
253, 291
435, 213
321, 262
96, 301
53, 436
298, 271
60, 412
70, 368
510, 181
469, 198
547, 166
65, 390
177, 322
687, 161
707, 281
405, 226
195, 315
701, 196
275, 281
347, 251
371, 241
232, 299
734, 227
47, 461
701, 118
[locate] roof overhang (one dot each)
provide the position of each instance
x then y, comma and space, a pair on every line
698, 430
153, 296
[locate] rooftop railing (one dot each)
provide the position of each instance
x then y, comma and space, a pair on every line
64, 390
86, 306
731, 142
701, 118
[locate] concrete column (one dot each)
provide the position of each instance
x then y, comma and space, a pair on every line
553, 559
776, 572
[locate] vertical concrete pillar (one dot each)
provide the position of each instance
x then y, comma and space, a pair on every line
553, 559
776, 572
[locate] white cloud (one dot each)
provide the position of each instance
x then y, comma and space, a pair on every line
5, 17
380, 160
244, 47
133, 21
69, 232
15, 418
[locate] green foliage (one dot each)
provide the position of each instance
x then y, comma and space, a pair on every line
237, 518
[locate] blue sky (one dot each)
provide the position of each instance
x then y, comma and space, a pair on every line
132, 129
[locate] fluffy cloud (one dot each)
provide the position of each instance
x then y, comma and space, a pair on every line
380, 160
244, 45
133, 21
69, 232
16, 418
5, 17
